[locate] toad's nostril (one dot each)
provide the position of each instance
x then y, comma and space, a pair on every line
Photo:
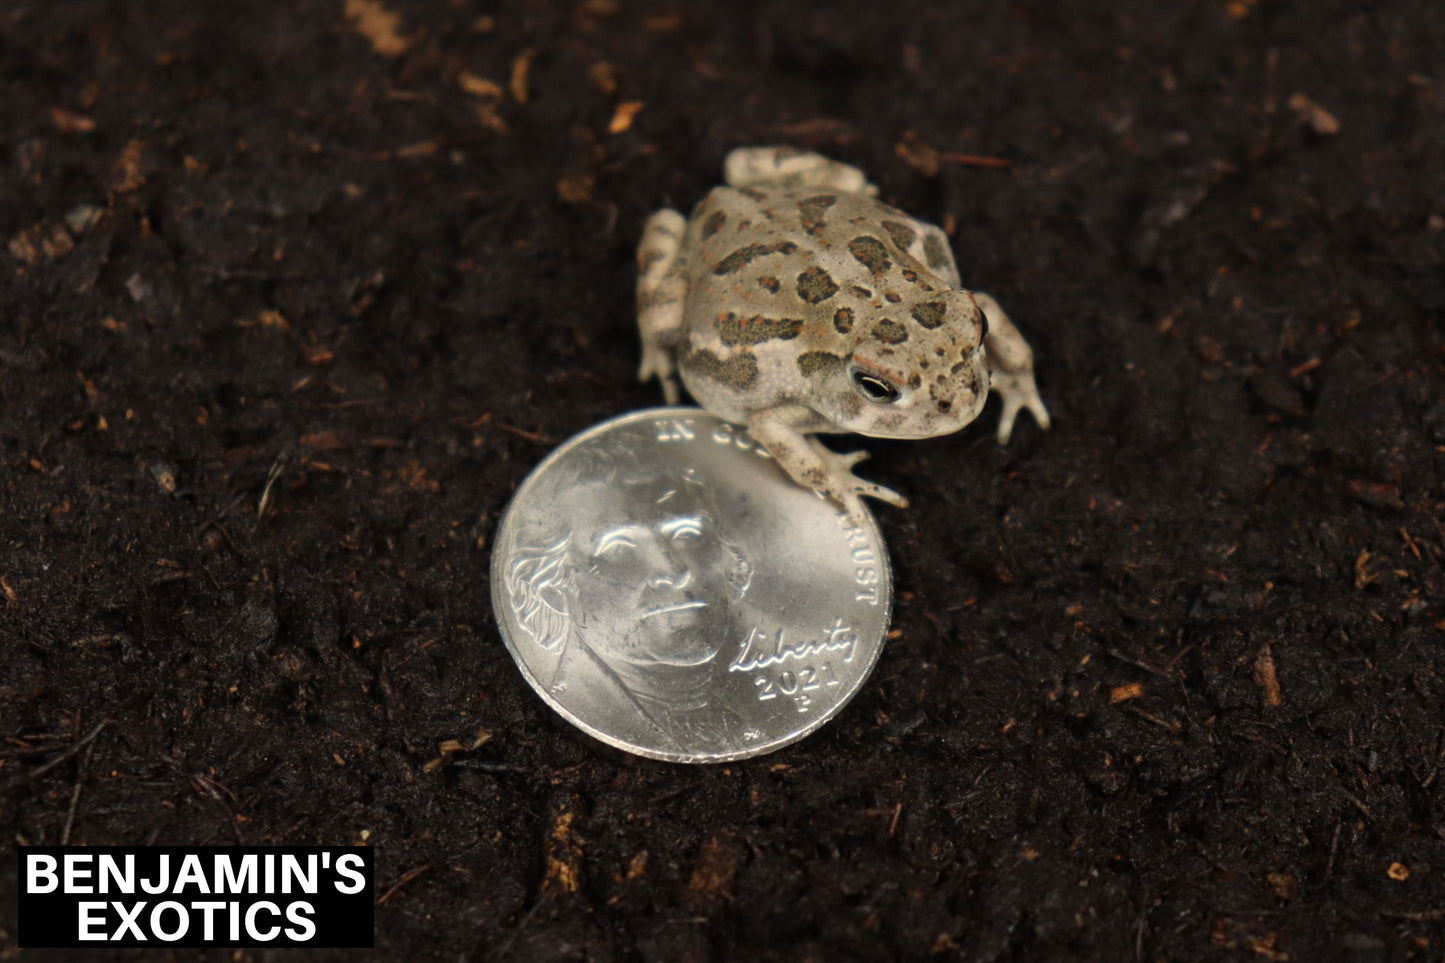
943, 406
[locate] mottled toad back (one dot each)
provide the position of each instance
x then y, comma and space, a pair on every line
794, 302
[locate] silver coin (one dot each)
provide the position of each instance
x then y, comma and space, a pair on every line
670, 591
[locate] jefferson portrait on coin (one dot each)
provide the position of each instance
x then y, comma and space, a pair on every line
631, 594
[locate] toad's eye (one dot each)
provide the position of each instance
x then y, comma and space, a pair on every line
874, 388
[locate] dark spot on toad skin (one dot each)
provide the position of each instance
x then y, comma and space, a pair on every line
870, 253
743, 256
890, 332
815, 285
911, 277
890, 421
739, 372
713, 224
978, 382
935, 252
753, 193
892, 297
902, 235
734, 330
843, 320
930, 314
811, 211
939, 351
861, 292
915, 380
852, 404
770, 283
820, 362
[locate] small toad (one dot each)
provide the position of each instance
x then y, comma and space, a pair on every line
795, 302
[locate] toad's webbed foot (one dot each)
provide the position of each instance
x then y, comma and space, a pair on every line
657, 363
1018, 392
847, 489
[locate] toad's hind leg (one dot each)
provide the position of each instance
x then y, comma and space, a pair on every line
932, 248
661, 295
1011, 368
789, 167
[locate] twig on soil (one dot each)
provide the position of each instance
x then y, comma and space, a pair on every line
1434, 769
1364, 810
1137, 663
542, 900
214, 519
214, 788
480, 766
675, 791
1334, 850
1416, 916
406, 877
74, 805
1171, 725
71, 752
532, 436
517, 83
974, 160
818, 127
75, 796
277, 467
1304, 368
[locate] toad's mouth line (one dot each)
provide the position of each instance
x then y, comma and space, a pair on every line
679, 607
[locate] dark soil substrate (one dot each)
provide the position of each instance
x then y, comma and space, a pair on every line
295, 293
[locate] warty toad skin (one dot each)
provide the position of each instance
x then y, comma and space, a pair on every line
795, 302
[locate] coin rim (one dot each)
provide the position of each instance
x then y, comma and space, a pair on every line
504, 629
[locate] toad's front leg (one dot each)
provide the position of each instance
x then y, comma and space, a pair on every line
784, 431
1011, 368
